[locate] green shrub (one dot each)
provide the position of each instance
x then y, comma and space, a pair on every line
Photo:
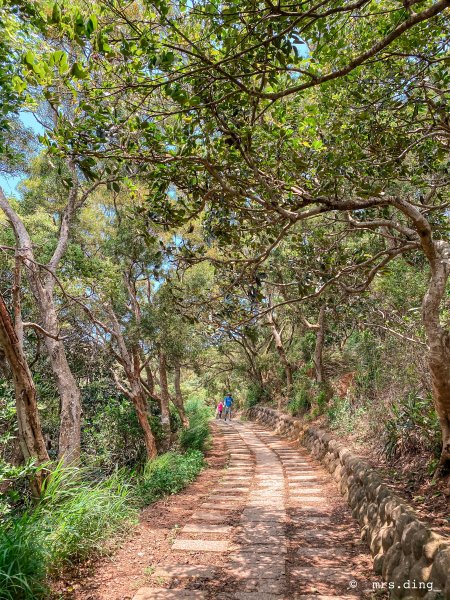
413, 427
341, 415
301, 401
306, 345
255, 395
111, 436
167, 474
197, 435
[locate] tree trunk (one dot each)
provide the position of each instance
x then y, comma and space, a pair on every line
165, 398
439, 348
31, 440
140, 404
42, 288
131, 364
281, 352
69, 444
437, 253
69, 392
178, 400
318, 350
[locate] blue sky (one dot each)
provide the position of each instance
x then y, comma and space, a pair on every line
9, 182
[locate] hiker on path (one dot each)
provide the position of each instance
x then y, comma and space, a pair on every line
228, 402
219, 410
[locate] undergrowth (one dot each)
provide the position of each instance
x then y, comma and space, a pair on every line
197, 435
76, 513
167, 474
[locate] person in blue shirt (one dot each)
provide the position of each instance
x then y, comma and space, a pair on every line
228, 403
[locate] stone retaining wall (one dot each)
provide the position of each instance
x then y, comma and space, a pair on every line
406, 552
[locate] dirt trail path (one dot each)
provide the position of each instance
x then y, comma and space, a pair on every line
271, 526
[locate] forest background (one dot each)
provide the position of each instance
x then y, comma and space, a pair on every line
246, 197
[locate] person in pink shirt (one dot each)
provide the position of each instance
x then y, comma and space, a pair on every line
219, 410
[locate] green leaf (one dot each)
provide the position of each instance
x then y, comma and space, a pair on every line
29, 59
91, 25
78, 72
56, 14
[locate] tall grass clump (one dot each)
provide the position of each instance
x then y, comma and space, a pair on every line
78, 514
23, 560
197, 435
72, 519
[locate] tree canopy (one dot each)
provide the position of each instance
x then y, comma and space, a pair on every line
223, 195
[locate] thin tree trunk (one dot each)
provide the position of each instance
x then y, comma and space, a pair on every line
165, 397
31, 440
135, 392
254, 371
439, 352
178, 400
437, 253
69, 392
42, 288
280, 350
318, 350
139, 400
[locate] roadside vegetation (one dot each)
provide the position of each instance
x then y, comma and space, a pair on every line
79, 515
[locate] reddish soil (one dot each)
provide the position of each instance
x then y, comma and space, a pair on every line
117, 577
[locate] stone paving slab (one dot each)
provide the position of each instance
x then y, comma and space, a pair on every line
243, 556
309, 499
182, 571
274, 504
305, 490
259, 538
224, 504
210, 515
201, 545
241, 454
273, 586
230, 484
276, 549
316, 597
306, 509
255, 514
206, 528
266, 494
317, 536
256, 596
253, 571
148, 593
322, 575
221, 501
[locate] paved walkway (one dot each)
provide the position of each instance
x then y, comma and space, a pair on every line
273, 527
